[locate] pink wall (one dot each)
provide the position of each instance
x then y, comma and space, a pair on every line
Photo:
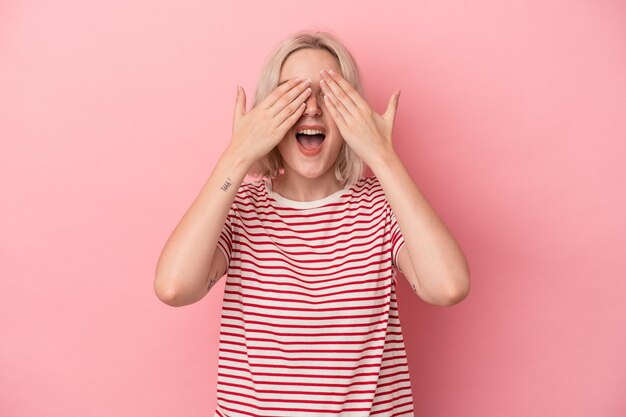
511, 121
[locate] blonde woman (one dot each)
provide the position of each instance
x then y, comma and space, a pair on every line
310, 250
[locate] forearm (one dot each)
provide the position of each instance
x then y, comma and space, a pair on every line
184, 263
440, 266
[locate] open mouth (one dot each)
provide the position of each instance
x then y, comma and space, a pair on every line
310, 140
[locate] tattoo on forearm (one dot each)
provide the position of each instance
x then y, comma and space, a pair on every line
414, 289
212, 281
226, 184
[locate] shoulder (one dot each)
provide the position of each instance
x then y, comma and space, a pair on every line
366, 183
371, 187
251, 186
250, 191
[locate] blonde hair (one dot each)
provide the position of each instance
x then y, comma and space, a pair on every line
349, 166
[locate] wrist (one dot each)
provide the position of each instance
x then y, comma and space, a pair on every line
237, 158
384, 157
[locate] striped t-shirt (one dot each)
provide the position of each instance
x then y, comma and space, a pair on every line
310, 323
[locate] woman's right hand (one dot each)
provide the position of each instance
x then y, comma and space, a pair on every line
257, 132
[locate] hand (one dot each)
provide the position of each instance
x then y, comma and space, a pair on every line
257, 132
367, 132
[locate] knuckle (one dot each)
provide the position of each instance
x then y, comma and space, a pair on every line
269, 100
284, 100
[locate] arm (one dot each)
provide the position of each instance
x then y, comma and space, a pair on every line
183, 267
430, 259
189, 256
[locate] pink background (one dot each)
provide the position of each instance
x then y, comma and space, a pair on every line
511, 121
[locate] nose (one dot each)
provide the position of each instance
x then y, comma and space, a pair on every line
313, 107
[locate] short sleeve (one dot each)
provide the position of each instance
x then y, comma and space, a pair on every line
397, 239
225, 239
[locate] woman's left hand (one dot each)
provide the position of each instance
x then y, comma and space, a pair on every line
367, 132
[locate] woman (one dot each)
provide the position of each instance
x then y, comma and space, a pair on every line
310, 322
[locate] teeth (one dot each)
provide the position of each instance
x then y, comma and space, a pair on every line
310, 132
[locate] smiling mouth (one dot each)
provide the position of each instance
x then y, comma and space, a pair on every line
310, 142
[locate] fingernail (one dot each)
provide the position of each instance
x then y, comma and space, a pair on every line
332, 72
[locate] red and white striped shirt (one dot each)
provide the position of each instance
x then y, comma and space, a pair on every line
310, 323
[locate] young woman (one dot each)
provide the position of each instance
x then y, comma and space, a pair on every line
310, 323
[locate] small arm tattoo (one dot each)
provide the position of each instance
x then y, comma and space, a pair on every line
414, 289
212, 282
226, 184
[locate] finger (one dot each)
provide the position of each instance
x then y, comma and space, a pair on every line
342, 100
281, 90
349, 89
240, 102
278, 92
390, 113
339, 106
334, 112
291, 120
289, 97
292, 107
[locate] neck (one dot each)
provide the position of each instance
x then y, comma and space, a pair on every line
298, 188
